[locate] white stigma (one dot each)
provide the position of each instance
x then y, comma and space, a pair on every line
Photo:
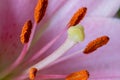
76, 33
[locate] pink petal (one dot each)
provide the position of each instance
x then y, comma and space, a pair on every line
102, 63
105, 8
13, 14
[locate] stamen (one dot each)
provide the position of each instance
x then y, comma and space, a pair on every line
81, 75
77, 17
32, 73
26, 31
40, 10
95, 44
51, 76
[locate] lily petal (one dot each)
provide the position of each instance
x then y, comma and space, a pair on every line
11, 23
106, 8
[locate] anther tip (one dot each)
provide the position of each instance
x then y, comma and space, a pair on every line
26, 31
81, 75
32, 73
77, 17
40, 10
85, 8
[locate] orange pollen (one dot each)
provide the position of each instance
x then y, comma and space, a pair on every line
40, 10
81, 75
32, 73
77, 17
26, 31
93, 45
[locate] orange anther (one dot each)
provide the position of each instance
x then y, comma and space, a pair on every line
32, 73
40, 10
81, 75
77, 17
26, 31
93, 45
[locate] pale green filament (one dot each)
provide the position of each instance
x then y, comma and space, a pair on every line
76, 33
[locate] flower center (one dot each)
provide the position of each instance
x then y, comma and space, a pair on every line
75, 35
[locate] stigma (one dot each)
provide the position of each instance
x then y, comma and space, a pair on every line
80, 75
95, 44
26, 31
76, 33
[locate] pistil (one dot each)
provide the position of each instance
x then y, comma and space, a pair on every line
75, 35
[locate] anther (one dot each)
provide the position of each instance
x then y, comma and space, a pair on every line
77, 17
95, 44
81, 75
32, 73
40, 10
26, 31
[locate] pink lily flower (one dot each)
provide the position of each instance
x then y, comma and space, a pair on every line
49, 37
